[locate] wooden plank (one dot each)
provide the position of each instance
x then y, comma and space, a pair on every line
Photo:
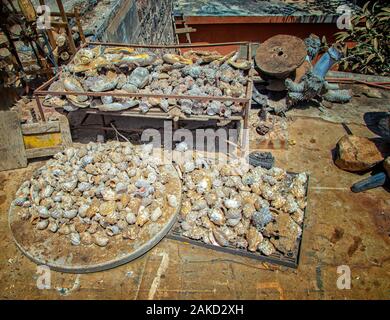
42, 152
65, 131
185, 30
12, 153
41, 127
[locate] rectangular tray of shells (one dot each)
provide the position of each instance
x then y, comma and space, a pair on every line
287, 258
135, 79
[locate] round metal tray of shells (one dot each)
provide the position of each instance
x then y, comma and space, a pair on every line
56, 251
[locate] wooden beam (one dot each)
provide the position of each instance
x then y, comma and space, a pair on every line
42, 127
42, 152
12, 153
185, 30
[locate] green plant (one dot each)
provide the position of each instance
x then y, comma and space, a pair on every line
370, 34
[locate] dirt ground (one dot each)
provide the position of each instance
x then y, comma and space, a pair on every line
341, 229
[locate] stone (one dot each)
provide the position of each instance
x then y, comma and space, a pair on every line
356, 153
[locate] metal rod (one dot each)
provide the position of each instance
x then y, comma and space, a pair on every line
72, 46
138, 95
113, 44
78, 23
40, 108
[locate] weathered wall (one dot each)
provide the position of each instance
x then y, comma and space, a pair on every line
141, 21
135, 21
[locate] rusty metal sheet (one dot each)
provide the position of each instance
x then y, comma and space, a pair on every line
280, 55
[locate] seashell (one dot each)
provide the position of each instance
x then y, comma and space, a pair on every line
69, 185
87, 159
185, 208
116, 106
195, 233
156, 214
164, 105
143, 216
43, 212
298, 190
86, 238
71, 84
143, 59
53, 227
56, 213
122, 166
47, 202
248, 210
220, 237
266, 247
42, 224
268, 193
139, 77
199, 205
216, 216
277, 173
189, 166
130, 88
241, 64
131, 218
83, 56
91, 169
233, 222
75, 238
174, 58
84, 186
100, 240
93, 227
291, 205
131, 233
172, 201
101, 83
70, 214
64, 229
203, 186
108, 195
278, 202
47, 191
181, 147
298, 216
269, 179
261, 218
144, 188
112, 230
185, 226
107, 207
231, 203
301, 178
20, 201
254, 238
120, 188
211, 198
233, 214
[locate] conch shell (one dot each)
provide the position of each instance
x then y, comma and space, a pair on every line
118, 50
174, 58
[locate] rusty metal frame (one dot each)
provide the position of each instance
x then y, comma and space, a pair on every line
243, 116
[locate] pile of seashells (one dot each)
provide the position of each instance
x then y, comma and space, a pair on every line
98, 192
123, 70
243, 207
